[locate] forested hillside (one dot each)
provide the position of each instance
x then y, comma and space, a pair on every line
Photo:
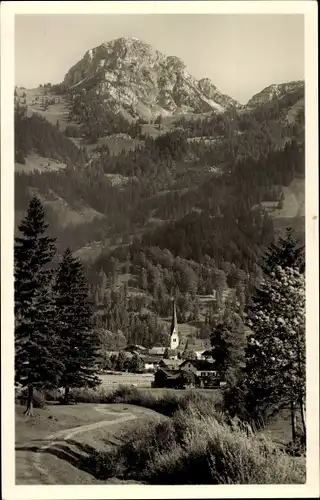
184, 213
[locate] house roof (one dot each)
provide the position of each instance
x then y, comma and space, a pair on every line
150, 359
170, 362
200, 364
172, 352
135, 348
198, 345
172, 374
157, 350
156, 357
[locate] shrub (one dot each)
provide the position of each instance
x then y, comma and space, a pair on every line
297, 448
86, 395
192, 448
52, 394
39, 399
168, 402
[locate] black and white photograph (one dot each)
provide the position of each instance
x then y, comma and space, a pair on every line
163, 166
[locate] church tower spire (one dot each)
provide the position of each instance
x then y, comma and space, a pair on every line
174, 339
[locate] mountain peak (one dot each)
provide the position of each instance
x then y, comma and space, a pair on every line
134, 77
275, 90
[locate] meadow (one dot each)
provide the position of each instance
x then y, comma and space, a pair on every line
111, 381
134, 434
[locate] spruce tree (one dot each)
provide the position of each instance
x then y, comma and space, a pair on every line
37, 364
229, 343
285, 253
79, 343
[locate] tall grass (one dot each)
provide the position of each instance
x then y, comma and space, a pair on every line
167, 402
193, 448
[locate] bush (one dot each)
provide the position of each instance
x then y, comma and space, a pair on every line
297, 449
39, 399
52, 394
194, 449
168, 402
85, 395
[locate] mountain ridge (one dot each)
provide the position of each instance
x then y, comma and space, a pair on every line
135, 77
275, 90
131, 74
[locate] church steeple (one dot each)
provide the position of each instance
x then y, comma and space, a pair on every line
174, 340
174, 322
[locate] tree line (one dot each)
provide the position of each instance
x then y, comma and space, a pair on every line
55, 344
262, 353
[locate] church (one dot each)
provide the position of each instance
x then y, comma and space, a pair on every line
174, 350
170, 351
174, 335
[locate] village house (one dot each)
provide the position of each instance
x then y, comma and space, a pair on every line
151, 363
204, 372
157, 351
198, 346
167, 378
165, 359
170, 363
136, 348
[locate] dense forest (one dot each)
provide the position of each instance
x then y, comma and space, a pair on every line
164, 182
188, 218
35, 133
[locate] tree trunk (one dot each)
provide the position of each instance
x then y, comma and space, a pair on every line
29, 410
293, 423
66, 395
303, 420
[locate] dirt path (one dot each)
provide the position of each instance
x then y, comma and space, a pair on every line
30, 459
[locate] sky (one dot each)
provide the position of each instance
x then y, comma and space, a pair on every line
241, 54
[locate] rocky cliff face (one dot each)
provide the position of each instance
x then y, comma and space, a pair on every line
134, 77
274, 91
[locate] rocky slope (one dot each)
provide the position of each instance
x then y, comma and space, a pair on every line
274, 91
133, 76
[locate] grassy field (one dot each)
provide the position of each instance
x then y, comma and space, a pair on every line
60, 111
294, 202
51, 419
111, 382
55, 112
75, 444
55, 446
35, 162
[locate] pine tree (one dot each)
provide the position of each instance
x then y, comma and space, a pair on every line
74, 323
229, 343
286, 253
37, 364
